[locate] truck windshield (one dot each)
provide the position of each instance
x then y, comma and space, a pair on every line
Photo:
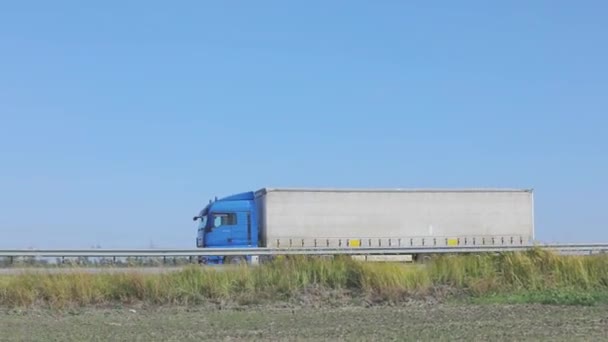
203, 222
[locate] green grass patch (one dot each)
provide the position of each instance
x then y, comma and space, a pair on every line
551, 297
532, 277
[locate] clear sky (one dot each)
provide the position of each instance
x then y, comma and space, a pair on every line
120, 119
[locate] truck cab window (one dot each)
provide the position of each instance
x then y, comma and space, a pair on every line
224, 220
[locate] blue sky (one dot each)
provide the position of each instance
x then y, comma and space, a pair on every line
120, 120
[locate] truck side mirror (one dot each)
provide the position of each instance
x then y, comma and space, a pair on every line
194, 218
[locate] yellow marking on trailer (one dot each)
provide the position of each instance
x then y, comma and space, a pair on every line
452, 242
354, 243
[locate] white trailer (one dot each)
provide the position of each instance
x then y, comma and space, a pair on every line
394, 217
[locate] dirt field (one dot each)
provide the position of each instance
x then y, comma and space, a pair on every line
436, 322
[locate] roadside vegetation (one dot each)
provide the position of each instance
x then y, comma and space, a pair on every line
536, 276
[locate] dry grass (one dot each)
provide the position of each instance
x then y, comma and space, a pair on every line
511, 273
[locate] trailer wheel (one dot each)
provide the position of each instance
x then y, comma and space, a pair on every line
235, 260
423, 258
265, 259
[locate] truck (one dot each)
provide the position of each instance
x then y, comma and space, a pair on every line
354, 218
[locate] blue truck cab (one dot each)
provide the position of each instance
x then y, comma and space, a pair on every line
230, 222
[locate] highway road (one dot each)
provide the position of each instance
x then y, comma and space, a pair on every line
67, 270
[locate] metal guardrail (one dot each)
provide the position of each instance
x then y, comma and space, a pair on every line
116, 253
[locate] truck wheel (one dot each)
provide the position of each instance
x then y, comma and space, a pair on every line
235, 260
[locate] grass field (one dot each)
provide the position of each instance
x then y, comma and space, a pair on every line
533, 277
454, 322
489, 297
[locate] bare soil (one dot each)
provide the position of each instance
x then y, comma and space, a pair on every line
415, 322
